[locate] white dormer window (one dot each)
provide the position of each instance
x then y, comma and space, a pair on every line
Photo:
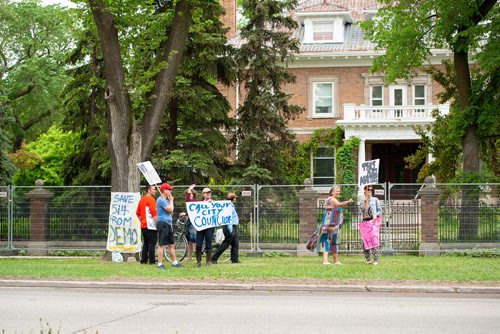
322, 31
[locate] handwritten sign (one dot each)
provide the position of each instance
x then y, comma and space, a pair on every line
149, 172
369, 172
124, 233
205, 215
370, 232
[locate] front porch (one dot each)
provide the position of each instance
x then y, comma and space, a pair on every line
388, 133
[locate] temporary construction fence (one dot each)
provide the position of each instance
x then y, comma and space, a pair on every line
272, 217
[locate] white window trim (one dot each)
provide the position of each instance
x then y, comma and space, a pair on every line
334, 80
338, 28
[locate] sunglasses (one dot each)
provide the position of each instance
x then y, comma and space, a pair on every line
370, 189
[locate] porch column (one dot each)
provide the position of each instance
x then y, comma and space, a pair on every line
361, 159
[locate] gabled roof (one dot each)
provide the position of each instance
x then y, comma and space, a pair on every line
353, 36
319, 6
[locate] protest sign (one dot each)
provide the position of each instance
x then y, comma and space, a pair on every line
368, 174
124, 233
205, 215
370, 232
149, 172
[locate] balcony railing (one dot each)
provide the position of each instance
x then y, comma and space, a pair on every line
392, 113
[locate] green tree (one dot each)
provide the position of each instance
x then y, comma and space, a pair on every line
45, 157
407, 31
142, 47
192, 148
261, 134
33, 42
85, 110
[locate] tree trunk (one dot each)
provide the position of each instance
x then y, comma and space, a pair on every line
470, 151
129, 144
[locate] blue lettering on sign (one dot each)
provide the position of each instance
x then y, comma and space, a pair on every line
123, 198
121, 221
123, 236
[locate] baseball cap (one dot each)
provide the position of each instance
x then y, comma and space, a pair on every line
166, 186
206, 190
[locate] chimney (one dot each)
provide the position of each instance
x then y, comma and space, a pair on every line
229, 19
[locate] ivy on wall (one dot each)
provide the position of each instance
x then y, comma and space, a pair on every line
299, 162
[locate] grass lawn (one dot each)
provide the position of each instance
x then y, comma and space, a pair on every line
294, 269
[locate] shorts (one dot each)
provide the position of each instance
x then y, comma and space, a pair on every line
165, 233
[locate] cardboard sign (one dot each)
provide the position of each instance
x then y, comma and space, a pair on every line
369, 172
149, 172
205, 215
124, 233
370, 232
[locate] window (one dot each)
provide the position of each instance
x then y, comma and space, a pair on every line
419, 96
323, 166
323, 98
322, 31
377, 96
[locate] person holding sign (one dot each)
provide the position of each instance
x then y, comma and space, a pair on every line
230, 238
146, 211
190, 196
371, 211
204, 235
165, 208
330, 227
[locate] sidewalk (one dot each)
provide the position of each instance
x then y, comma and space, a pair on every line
258, 286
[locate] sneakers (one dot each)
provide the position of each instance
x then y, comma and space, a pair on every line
338, 263
327, 263
375, 263
161, 266
198, 264
178, 265
369, 261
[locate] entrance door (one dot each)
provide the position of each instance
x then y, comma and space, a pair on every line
398, 97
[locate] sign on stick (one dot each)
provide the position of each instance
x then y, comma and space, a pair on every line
369, 172
149, 172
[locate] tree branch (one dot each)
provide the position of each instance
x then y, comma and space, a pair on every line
35, 120
23, 92
162, 92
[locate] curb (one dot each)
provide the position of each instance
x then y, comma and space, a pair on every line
196, 286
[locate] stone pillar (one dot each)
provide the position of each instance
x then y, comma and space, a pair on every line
39, 219
429, 241
308, 212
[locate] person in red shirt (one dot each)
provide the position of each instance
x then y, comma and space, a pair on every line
146, 211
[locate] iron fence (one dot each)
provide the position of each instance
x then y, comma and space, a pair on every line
77, 217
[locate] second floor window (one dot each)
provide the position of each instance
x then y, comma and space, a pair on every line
377, 96
323, 98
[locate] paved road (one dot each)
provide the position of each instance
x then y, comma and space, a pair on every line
30, 310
